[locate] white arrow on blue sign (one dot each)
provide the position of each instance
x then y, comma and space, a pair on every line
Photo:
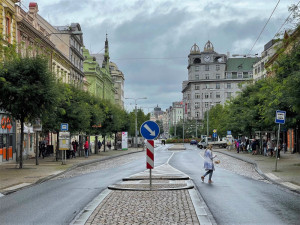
149, 130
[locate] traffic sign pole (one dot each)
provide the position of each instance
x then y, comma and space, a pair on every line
280, 119
150, 158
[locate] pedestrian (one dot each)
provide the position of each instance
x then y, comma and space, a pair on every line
237, 146
99, 145
284, 147
74, 148
270, 147
208, 163
109, 145
86, 149
254, 147
265, 147
77, 146
279, 149
71, 151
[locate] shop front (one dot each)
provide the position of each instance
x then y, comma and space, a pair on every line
7, 138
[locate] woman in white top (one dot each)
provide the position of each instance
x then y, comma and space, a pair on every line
208, 163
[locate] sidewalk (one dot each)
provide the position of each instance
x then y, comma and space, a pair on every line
12, 178
288, 167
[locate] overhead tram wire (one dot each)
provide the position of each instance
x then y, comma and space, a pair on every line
284, 22
261, 32
149, 58
264, 27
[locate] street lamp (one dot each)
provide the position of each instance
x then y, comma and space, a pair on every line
207, 122
135, 99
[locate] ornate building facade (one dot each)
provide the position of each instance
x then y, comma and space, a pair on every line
97, 72
118, 79
213, 79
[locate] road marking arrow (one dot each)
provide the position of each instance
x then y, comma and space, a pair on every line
152, 132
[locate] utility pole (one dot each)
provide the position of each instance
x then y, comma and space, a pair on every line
135, 99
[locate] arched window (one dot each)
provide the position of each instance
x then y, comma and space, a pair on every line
197, 61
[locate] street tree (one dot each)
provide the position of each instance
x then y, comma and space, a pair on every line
27, 90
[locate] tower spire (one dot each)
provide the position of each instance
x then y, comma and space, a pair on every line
106, 54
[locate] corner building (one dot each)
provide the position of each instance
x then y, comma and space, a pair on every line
213, 79
206, 72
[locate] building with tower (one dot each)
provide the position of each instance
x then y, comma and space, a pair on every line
97, 72
206, 72
213, 79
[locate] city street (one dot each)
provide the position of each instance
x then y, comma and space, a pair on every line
239, 195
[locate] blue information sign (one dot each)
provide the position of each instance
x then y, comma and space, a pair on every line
280, 116
64, 127
149, 130
215, 135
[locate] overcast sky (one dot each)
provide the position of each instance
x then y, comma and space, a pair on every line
150, 40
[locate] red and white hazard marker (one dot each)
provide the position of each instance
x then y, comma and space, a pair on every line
150, 154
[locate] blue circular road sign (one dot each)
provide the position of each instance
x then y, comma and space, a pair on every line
149, 130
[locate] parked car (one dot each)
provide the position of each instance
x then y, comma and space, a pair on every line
193, 142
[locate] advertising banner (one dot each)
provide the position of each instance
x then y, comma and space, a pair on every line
124, 140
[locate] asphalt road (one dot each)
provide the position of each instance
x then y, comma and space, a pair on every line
236, 199
232, 198
59, 201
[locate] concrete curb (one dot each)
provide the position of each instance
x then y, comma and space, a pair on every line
42, 180
156, 178
259, 171
148, 189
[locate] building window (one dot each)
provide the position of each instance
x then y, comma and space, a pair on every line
206, 104
197, 106
197, 95
197, 77
197, 114
206, 95
196, 68
7, 28
207, 76
206, 67
245, 75
207, 86
228, 85
250, 74
217, 85
218, 95
228, 75
197, 87
218, 76
217, 67
210, 94
240, 75
228, 94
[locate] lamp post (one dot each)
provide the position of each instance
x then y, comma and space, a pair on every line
207, 122
135, 99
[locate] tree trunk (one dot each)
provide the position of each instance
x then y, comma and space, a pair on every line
115, 144
96, 144
104, 143
21, 145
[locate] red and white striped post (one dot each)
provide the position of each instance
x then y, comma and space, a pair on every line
150, 158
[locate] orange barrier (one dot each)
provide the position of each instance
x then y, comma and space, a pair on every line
1, 151
10, 152
4, 154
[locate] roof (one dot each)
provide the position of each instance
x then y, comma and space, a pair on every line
240, 64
